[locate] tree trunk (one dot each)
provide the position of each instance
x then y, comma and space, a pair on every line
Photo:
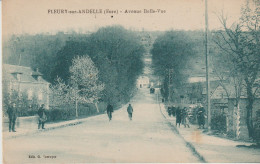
237, 121
97, 107
249, 107
76, 108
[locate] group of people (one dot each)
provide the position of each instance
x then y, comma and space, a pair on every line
12, 112
182, 115
110, 110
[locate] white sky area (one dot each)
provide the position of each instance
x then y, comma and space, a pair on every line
30, 16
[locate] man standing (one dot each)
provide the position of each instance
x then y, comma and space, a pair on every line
42, 117
178, 116
201, 117
12, 115
130, 111
110, 110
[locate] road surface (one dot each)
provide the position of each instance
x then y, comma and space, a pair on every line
147, 138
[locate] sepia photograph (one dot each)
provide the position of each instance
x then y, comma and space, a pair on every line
130, 81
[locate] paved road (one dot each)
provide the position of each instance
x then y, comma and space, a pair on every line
147, 138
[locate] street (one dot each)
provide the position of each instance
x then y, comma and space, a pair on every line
147, 138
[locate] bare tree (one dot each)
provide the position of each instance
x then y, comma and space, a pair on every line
240, 43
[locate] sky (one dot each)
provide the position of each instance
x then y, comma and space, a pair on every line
31, 16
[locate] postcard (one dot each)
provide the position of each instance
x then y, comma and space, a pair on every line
130, 81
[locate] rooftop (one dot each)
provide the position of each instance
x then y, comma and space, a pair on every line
26, 74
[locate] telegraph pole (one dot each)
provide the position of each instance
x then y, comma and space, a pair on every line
169, 87
207, 63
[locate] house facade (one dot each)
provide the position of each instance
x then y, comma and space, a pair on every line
143, 82
225, 103
27, 83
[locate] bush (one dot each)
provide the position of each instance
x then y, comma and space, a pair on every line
218, 123
68, 112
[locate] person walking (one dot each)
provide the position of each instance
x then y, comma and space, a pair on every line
130, 111
12, 115
201, 117
42, 117
169, 110
110, 110
185, 119
178, 116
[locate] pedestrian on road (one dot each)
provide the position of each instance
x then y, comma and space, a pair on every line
110, 110
185, 119
42, 117
178, 116
169, 110
12, 115
201, 117
130, 111
173, 110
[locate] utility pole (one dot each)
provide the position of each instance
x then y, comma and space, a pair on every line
20, 57
169, 84
207, 64
169, 87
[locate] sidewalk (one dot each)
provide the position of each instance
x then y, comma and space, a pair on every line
214, 149
48, 126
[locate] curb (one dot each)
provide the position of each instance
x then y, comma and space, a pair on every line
188, 144
46, 129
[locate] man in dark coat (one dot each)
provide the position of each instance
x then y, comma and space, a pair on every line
110, 110
12, 115
42, 117
178, 116
201, 117
130, 111
173, 110
169, 110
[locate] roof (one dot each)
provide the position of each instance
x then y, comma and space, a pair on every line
218, 91
26, 74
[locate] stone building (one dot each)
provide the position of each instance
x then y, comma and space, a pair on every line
25, 82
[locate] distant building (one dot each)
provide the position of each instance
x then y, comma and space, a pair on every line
143, 82
26, 82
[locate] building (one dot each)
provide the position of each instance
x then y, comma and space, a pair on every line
27, 83
143, 82
223, 100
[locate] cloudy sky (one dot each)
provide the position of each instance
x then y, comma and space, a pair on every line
31, 16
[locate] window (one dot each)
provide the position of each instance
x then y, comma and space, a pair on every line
30, 94
40, 95
18, 77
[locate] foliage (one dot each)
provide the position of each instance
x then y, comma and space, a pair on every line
24, 106
84, 79
240, 43
64, 112
83, 87
36, 51
171, 52
116, 52
218, 123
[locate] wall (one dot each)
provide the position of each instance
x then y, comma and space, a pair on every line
243, 114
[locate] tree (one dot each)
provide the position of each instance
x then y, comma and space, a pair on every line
84, 82
84, 85
240, 43
171, 52
230, 79
115, 51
